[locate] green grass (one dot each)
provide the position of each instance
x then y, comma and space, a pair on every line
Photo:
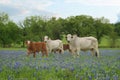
13, 49
106, 42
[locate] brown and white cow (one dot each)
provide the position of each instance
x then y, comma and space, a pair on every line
65, 47
33, 47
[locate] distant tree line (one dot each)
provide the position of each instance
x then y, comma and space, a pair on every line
36, 27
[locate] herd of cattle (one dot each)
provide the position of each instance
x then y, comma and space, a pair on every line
74, 46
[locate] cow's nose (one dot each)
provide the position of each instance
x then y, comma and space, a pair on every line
68, 41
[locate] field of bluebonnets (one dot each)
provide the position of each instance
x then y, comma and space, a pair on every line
15, 65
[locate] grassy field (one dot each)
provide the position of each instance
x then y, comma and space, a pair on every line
15, 49
15, 65
106, 42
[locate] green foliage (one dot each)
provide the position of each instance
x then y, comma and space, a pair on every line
9, 31
34, 28
80, 25
117, 28
101, 28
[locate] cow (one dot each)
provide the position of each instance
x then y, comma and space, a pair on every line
65, 47
53, 44
33, 47
78, 44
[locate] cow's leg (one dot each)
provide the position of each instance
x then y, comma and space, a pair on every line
54, 51
46, 53
42, 53
49, 50
97, 53
61, 50
28, 52
92, 52
34, 53
78, 51
73, 51
61, 47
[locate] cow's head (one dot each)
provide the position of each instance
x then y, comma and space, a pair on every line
69, 37
74, 36
45, 38
28, 42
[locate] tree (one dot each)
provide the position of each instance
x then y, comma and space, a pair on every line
9, 31
55, 27
102, 27
4, 19
81, 25
113, 39
14, 32
117, 28
33, 28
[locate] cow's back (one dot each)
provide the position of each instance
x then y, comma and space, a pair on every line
43, 46
53, 43
84, 43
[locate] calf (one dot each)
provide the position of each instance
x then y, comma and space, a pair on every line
33, 47
53, 44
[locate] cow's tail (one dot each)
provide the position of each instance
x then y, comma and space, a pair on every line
96, 54
94, 44
96, 48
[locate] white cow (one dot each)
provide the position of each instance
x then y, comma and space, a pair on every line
78, 44
53, 44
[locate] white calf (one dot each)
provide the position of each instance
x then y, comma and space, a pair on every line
53, 44
83, 44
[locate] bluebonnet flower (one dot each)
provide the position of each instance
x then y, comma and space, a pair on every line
17, 65
118, 58
72, 69
81, 77
56, 69
0, 69
107, 77
115, 77
10, 78
37, 67
45, 66
89, 77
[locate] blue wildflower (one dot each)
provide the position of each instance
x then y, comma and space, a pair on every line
0, 69
72, 69
17, 65
115, 77
107, 77
89, 77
